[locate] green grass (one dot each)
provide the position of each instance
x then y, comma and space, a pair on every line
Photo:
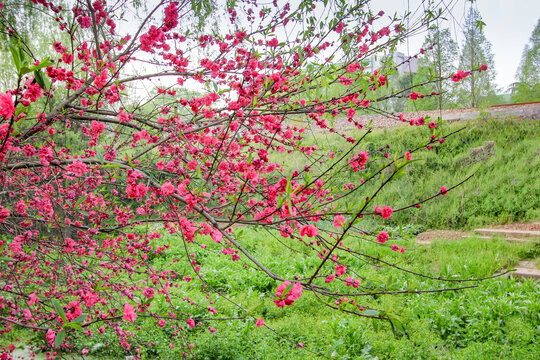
499, 318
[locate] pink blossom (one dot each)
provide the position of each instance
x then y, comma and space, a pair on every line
413, 95
407, 156
309, 231
78, 168
289, 298
460, 75
260, 322
340, 269
84, 21
339, 220
444, 190
382, 237
136, 190
161, 323
129, 312
84, 351
50, 337
171, 17
273, 43
340, 27
97, 127
45, 155
16, 245
148, 292
29, 150
191, 323
4, 213
73, 310
329, 278
6, 105
385, 212
33, 90
33, 299
167, 189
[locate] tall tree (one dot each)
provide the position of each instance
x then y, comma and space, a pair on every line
438, 61
527, 86
476, 51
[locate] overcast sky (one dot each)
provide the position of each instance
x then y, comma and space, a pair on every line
509, 25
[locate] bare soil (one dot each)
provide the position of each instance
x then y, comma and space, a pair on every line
534, 226
521, 111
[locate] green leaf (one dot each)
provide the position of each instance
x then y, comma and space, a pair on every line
39, 79
253, 309
74, 325
59, 310
81, 199
42, 64
111, 166
60, 338
286, 291
15, 56
371, 312
281, 201
79, 319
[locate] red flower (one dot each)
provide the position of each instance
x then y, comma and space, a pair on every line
294, 293
309, 231
385, 212
413, 95
129, 312
6, 105
382, 237
273, 43
340, 270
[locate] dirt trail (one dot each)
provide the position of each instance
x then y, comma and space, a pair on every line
518, 111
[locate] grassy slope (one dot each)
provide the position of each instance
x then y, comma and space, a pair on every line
505, 187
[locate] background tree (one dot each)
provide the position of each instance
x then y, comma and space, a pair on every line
438, 61
475, 51
527, 85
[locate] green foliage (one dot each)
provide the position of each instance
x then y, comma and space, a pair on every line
504, 187
438, 61
527, 86
475, 51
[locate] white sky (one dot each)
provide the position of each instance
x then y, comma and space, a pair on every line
509, 25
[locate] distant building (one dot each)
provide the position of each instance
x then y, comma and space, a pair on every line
405, 64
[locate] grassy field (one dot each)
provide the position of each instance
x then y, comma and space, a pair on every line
498, 319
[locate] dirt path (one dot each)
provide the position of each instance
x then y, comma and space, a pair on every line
519, 111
